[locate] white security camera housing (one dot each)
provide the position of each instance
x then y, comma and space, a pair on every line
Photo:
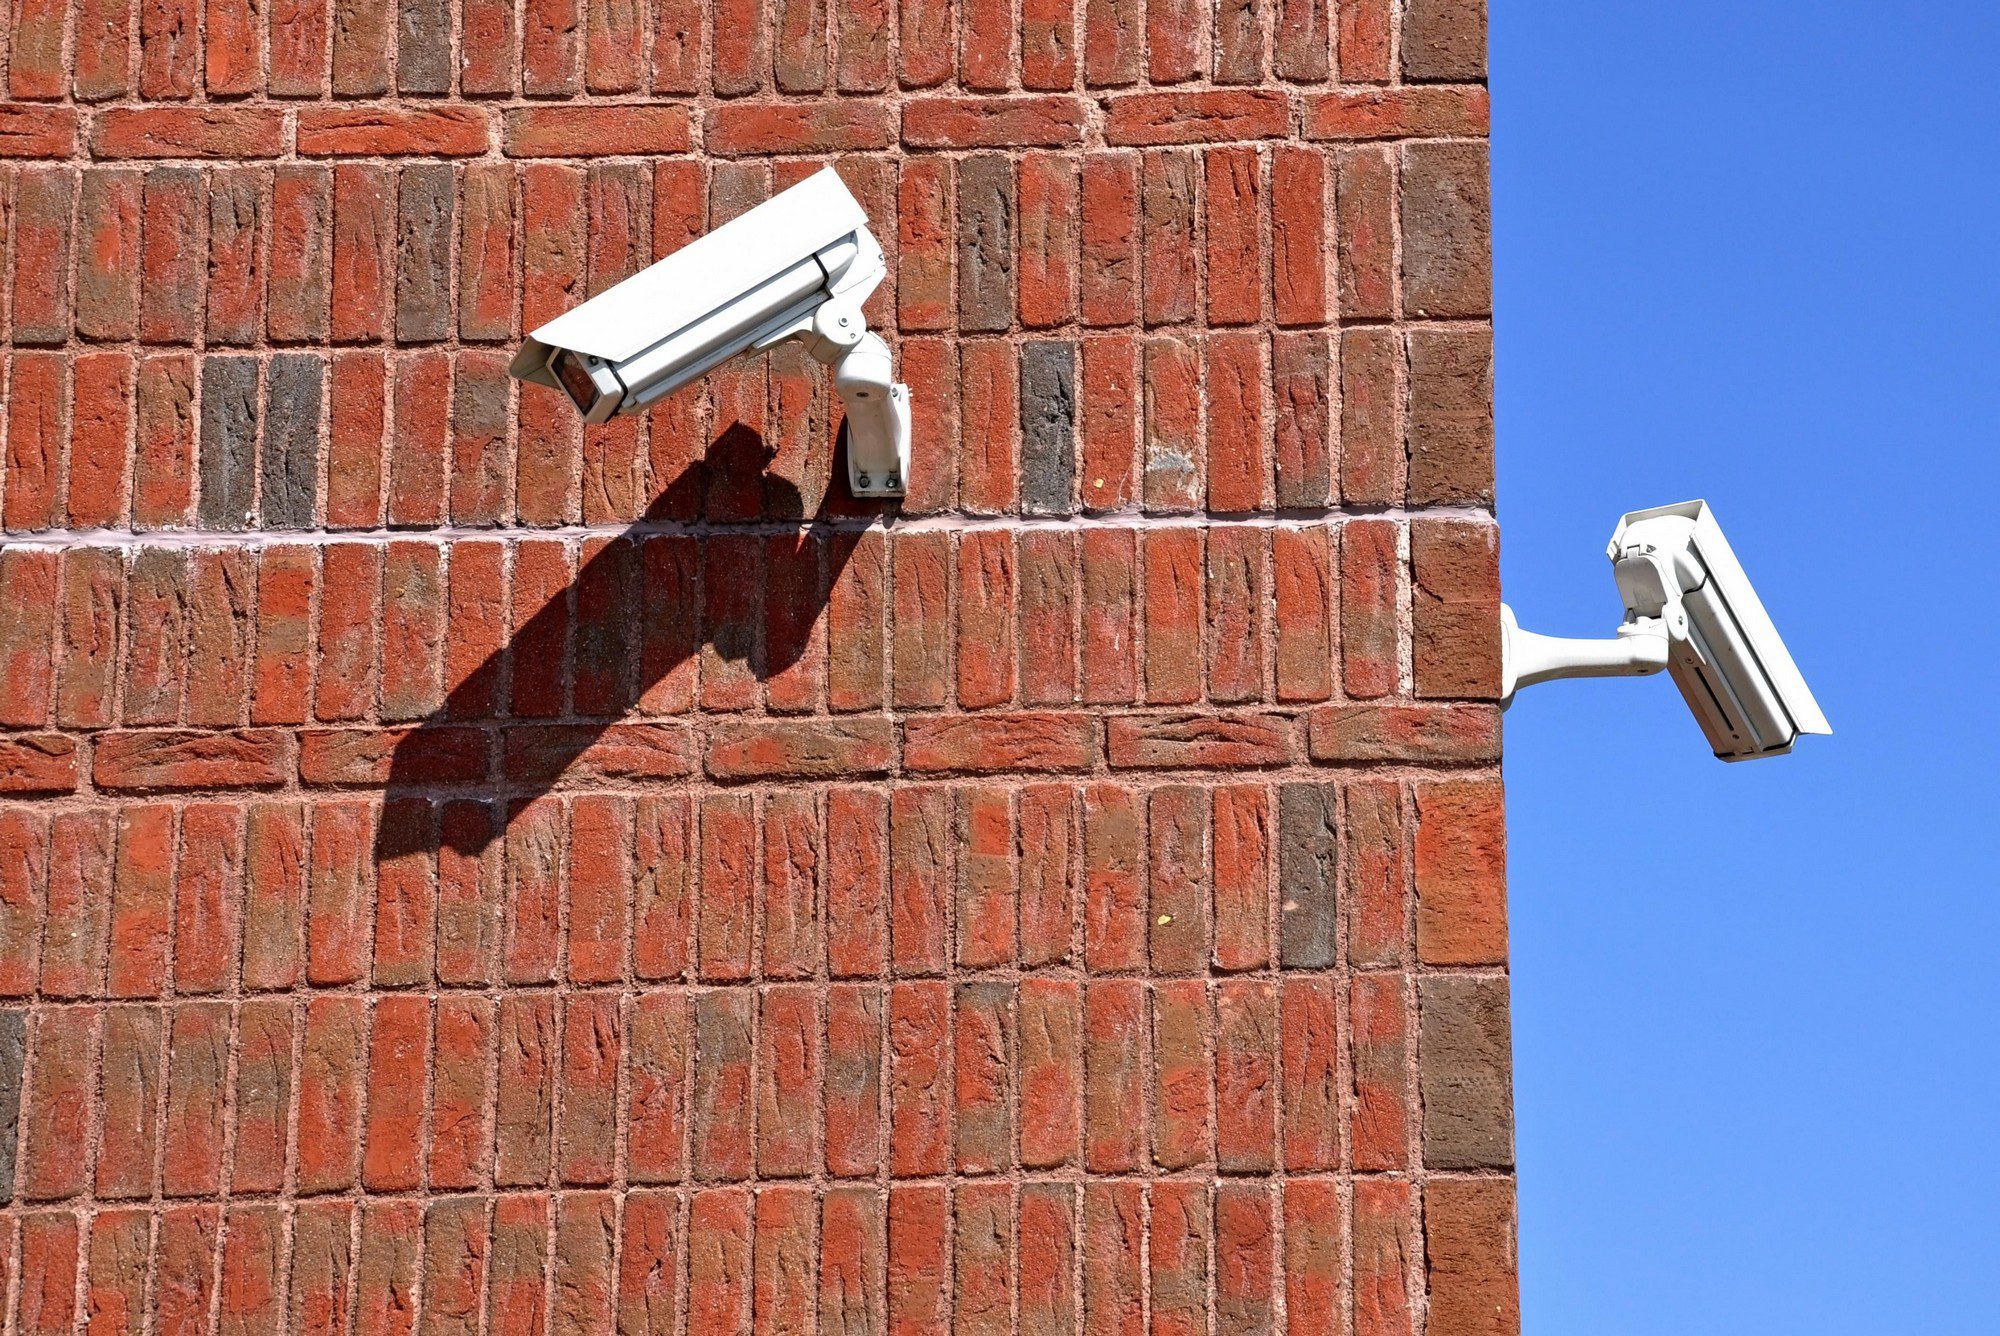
798, 266
1690, 610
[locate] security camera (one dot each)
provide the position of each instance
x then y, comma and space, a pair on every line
1690, 610
798, 266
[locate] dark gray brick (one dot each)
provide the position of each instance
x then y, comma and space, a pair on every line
1308, 874
297, 386
986, 242
1466, 1073
1048, 427
228, 441
13, 1053
423, 247
423, 46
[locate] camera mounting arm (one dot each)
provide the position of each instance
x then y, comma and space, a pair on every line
878, 407
1654, 619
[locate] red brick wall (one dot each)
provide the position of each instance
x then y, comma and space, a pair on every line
457, 869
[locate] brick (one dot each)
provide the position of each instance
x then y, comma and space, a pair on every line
593, 1053
722, 1092
233, 48
163, 492
1444, 40
578, 132
1299, 42
1048, 427
1240, 854
1465, 1065
393, 1142
816, 127
1113, 1283
1378, 1114
110, 204
750, 750
1437, 111
128, 1140
852, 1262
38, 132
331, 1081
1364, 211
1114, 1033
1180, 1234
263, 1094
1109, 274
1460, 866
1447, 230
28, 582
1235, 369
788, 1070
1308, 871
208, 898
386, 1273
425, 196
1303, 586
455, 1257
115, 1292
24, 837
357, 132
1177, 833
298, 292
236, 217
1201, 741
462, 1039
1371, 600
517, 1263
274, 895
339, 895
1309, 1097
989, 473
1170, 432
188, 132
1455, 596
171, 759
1217, 116
1175, 607
919, 1258
1113, 43
1181, 1103
1362, 36
986, 595
1450, 427
297, 62
1170, 229
1375, 873
184, 1284
986, 251
197, 1065
1245, 1248
1469, 1257
988, 122
920, 1048
1009, 742
41, 228
1233, 191
1113, 865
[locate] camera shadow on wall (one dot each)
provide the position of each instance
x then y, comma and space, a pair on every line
647, 604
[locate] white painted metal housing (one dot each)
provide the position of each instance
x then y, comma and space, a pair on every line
798, 266
1689, 609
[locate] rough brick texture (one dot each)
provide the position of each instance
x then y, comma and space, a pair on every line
463, 872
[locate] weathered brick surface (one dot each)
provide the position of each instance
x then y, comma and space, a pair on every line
463, 871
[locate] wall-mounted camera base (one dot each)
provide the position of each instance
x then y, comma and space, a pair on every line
878, 419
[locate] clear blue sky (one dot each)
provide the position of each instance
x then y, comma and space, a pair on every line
1751, 251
